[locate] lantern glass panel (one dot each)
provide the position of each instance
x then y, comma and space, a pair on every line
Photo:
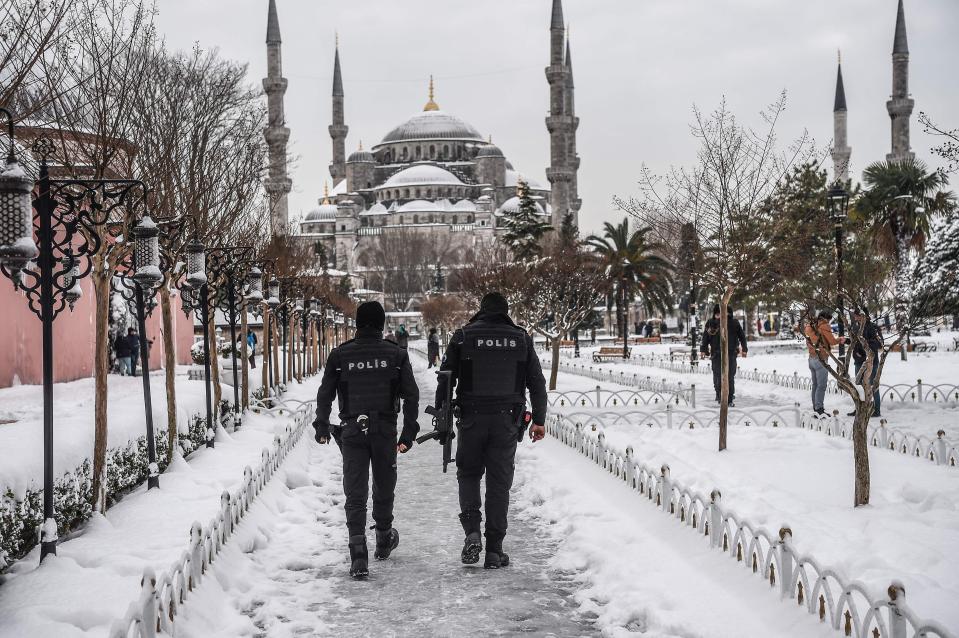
16, 216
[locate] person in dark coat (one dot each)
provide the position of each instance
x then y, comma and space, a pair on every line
133, 339
368, 375
493, 363
873, 338
402, 337
121, 347
711, 347
433, 348
251, 346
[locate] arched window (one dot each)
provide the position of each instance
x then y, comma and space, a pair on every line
416, 219
432, 152
406, 193
417, 193
405, 153
446, 151
455, 219
471, 218
419, 152
429, 193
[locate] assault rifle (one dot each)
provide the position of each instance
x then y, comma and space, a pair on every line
442, 417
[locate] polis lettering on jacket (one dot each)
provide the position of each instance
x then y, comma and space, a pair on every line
372, 364
496, 343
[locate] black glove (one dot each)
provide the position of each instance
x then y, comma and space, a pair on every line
408, 435
322, 432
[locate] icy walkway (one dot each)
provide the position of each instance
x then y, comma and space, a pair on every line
288, 572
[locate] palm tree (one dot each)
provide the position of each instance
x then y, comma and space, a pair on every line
897, 205
633, 268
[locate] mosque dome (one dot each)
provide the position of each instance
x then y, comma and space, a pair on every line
322, 213
422, 174
490, 150
361, 156
433, 125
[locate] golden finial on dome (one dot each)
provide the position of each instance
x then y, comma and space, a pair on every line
326, 193
361, 145
431, 105
490, 138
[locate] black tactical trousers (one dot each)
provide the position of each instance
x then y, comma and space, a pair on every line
360, 452
717, 366
487, 443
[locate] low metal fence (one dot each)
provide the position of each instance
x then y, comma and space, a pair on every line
846, 605
154, 612
601, 398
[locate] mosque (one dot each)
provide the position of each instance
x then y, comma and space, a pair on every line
434, 173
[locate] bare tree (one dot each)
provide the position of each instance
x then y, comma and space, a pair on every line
721, 199
445, 312
402, 263
948, 148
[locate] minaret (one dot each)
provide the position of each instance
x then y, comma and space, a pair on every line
559, 123
900, 104
574, 201
338, 128
277, 183
840, 147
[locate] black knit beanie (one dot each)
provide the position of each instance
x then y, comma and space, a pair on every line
494, 302
370, 314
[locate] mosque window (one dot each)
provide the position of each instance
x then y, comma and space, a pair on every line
405, 153
416, 219
455, 219
406, 193
470, 218
446, 151
429, 193
342, 226
417, 193
432, 152
419, 152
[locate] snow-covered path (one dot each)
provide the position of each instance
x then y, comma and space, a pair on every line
287, 574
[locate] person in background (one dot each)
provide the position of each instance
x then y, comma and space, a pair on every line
133, 340
819, 343
432, 348
873, 338
402, 337
648, 329
121, 347
251, 346
711, 346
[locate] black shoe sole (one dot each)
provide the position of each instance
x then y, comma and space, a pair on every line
471, 552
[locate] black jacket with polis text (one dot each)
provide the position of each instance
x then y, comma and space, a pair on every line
533, 379
369, 342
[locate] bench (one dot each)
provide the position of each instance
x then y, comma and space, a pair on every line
681, 351
606, 353
924, 346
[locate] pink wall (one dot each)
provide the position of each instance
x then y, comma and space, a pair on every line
73, 338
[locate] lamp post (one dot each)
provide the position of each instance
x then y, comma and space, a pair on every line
838, 200
231, 271
196, 279
141, 274
68, 213
273, 302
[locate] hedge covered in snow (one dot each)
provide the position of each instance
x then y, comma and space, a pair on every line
21, 515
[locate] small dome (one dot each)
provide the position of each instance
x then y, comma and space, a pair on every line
322, 213
375, 209
419, 206
465, 205
511, 205
490, 150
421, 174
361, 156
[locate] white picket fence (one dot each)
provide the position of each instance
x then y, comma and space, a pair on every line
684, 393
939, 450
154, 611
847, 605
918, 392
600, 398
687, 419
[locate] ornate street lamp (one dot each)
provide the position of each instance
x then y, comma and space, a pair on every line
66, 222
254, 286
141, 275
196, 281
838, 201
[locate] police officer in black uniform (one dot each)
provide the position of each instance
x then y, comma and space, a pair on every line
369, 376
493, 363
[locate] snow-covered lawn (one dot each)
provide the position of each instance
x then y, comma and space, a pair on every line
802, 479
97, 570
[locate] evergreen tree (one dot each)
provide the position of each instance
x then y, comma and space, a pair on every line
937, 274
525, 227
568, 232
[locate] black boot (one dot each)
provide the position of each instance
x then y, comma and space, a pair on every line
495, 556
359, 567
472, 548
386, 542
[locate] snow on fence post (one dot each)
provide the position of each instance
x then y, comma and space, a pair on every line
630, 466
796, 380
919, 390
148, 604
798, 415
883, 434
785, 562
715, 519
196, 555
226, 515
669, 415
598, 403
897, 620
941, 448
665, 491
692, 395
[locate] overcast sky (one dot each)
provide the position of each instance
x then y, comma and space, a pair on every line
639, 66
